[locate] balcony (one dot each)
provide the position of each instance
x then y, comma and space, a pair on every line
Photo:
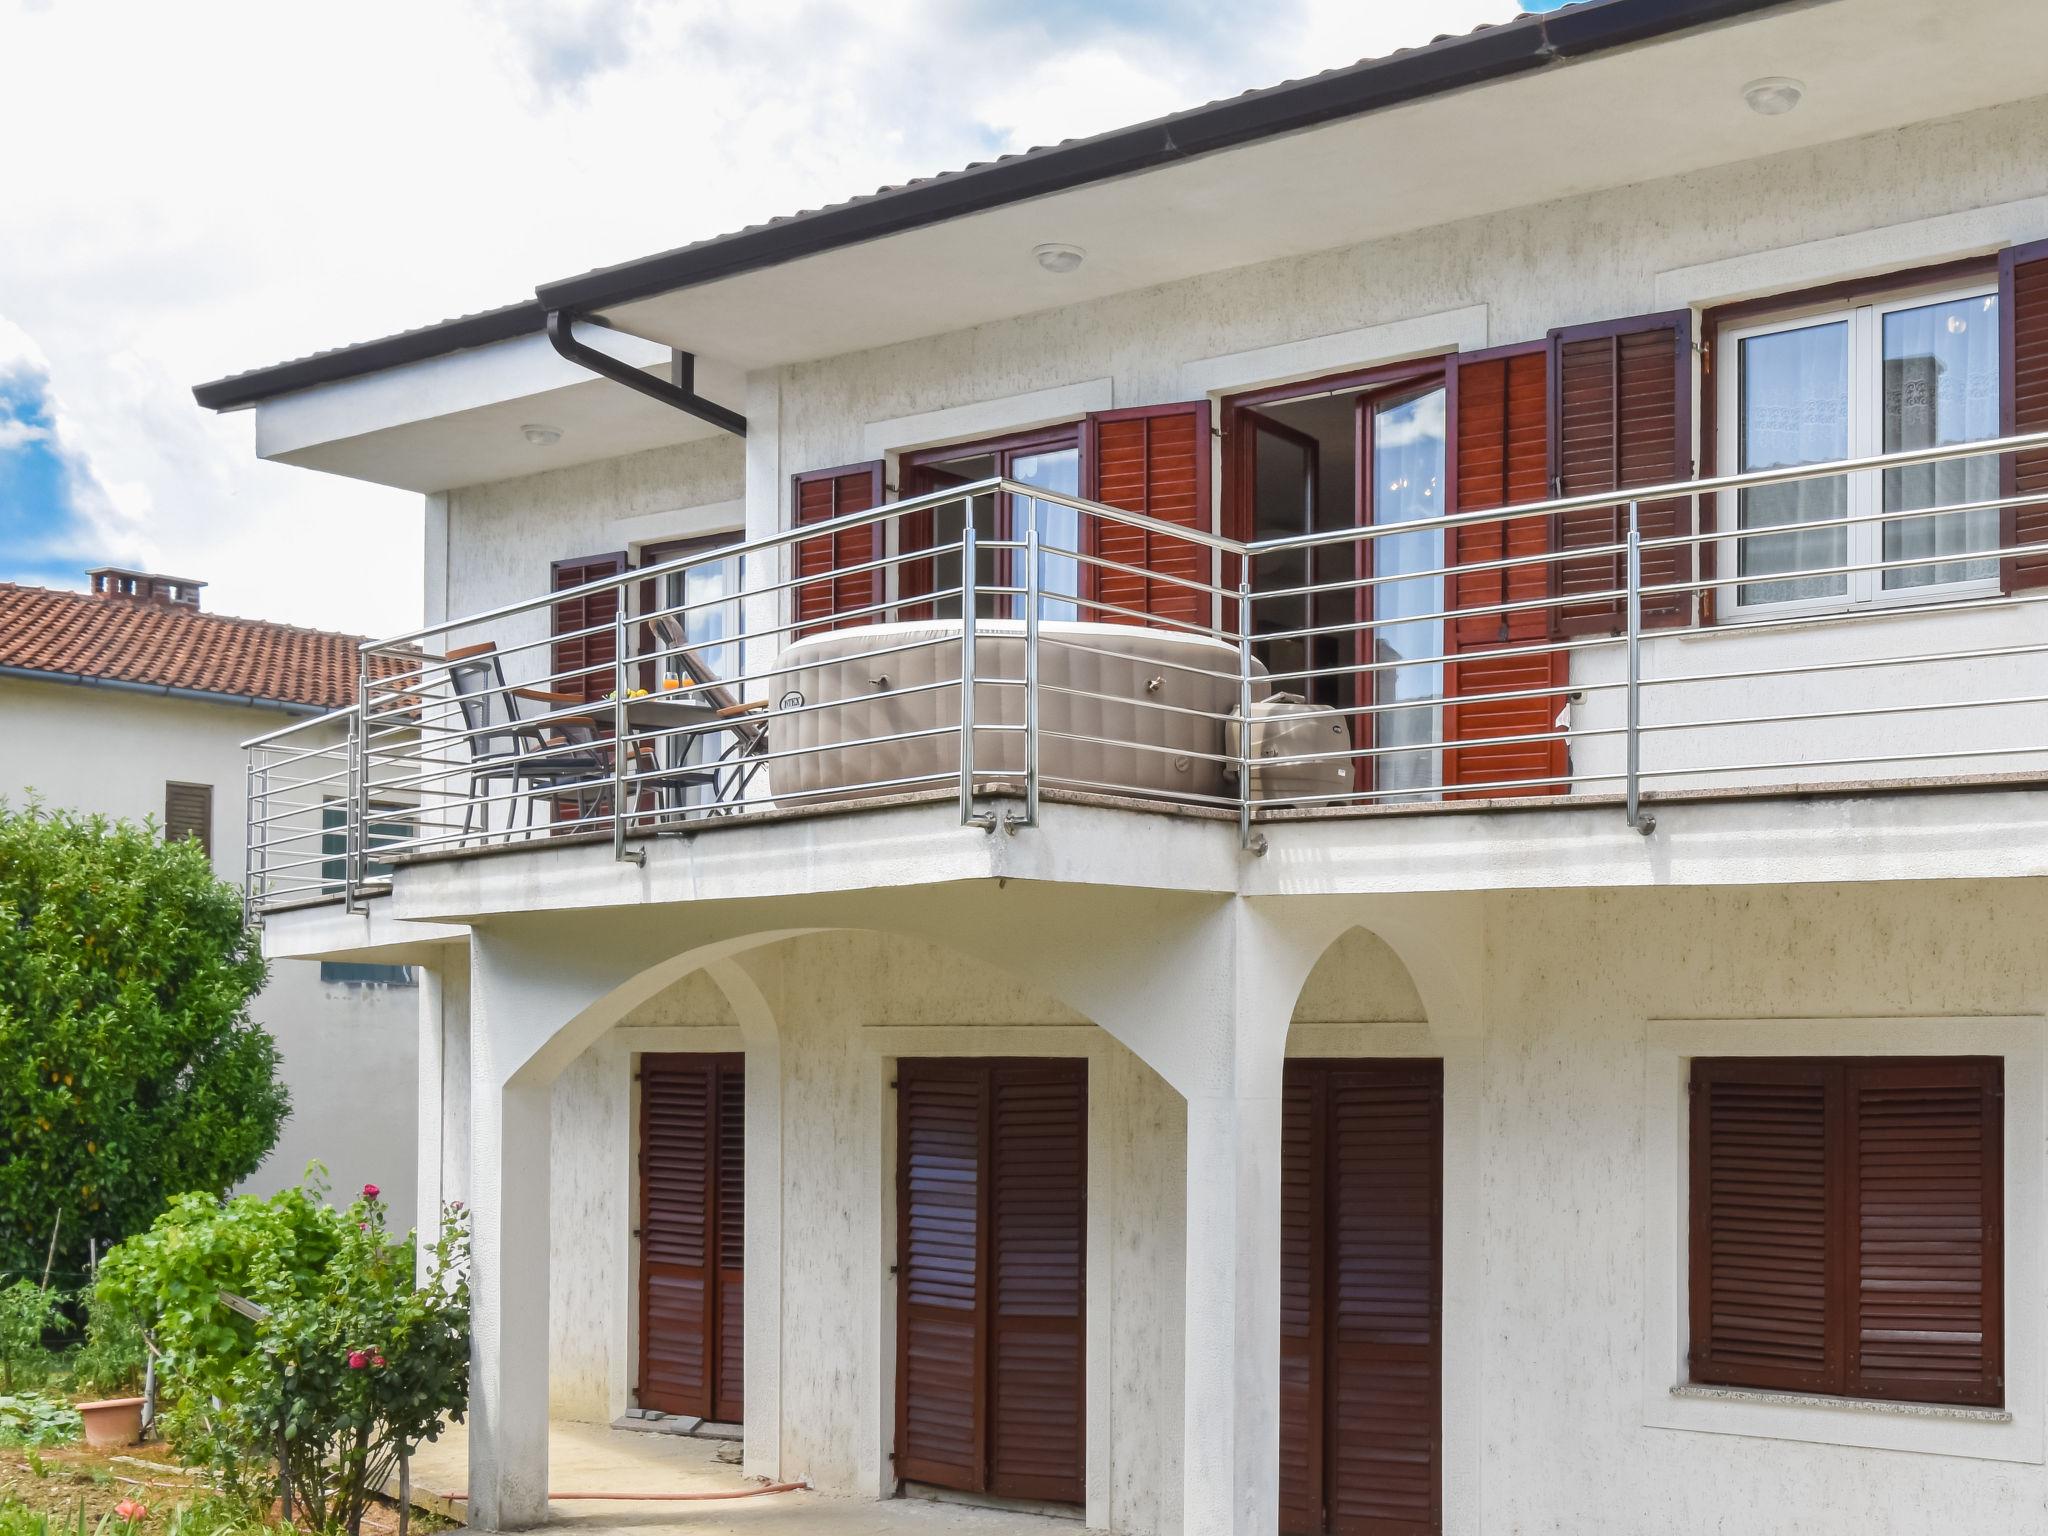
1862, 625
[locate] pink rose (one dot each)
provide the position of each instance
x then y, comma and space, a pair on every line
131, 1511
370, 1191
357, 1359
376, 1359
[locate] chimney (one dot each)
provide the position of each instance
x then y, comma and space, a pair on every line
145, 586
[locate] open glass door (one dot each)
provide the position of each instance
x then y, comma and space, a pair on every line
1401, 441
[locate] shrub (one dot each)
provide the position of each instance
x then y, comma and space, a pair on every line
356, 1361
27, 1311
27, 1422
129, 1068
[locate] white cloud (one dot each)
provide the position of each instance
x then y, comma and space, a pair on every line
196, 189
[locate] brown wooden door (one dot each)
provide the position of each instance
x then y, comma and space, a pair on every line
1361, 1358
991, 1302
692, 1234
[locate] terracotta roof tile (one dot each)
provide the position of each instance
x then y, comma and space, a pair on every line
134, 640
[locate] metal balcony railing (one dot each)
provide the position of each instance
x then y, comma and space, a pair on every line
1879, 624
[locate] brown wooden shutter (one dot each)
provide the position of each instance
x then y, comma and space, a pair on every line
1038, 1139
1154, 460
692, 1234
1361, 1288
1385, 1306
816, 497
1763, 1283
942, 1128
1924, 1216
728, 1398
676, 1196
1301, 1303
594, 611
1620, 416
1500, 450
2023, 317
188, 812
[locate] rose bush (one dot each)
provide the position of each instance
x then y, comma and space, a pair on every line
353, 1365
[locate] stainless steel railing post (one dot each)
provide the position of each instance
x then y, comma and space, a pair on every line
358, 787
1244, 710
967, 610
1031, 594
1634, 576
620, 744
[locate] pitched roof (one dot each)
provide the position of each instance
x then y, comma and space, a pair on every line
1487, 53
166, 645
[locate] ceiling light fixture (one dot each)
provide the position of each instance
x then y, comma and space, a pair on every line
1774, 95
1059, 258
540, 436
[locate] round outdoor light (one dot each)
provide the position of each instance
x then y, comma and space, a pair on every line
1059, 258
540, 436
1773, 96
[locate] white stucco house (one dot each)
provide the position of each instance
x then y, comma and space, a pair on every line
132, 701
1574, 1063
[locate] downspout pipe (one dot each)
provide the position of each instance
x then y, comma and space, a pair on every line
681, 395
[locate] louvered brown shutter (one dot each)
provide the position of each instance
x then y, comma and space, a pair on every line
1038, 1231
1926, 1307
1500, 448
817, 497
676, 1197
1384, 1313
188, 812
1301, 1339
595, 612
728, 1398
942, 1128
1153, 460
2023, 309
1762, 1243
1620, 416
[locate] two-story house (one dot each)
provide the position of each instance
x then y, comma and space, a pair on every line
1323, 815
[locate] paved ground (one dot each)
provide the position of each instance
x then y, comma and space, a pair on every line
589, 1458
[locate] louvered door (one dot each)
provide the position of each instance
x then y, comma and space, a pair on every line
991, 1300
2023, 310
1361, 1409
1500, 457
1620, 416
1037, 1245
692, 1129
1153, 460
827, 599
942, 1130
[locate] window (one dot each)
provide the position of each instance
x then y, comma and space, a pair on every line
350, 973
334, 843
706, 600
1847, 1227
1852, 382
1050, 460
188, 812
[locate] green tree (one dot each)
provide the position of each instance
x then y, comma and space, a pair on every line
130, 1070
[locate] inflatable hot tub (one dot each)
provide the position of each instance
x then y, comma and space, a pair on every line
1122, 709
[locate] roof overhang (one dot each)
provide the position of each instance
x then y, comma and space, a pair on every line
1623, 90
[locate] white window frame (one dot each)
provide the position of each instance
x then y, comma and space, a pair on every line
1864, 589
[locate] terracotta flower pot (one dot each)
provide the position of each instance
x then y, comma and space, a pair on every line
113, 1421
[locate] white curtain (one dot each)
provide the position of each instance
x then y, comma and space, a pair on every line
1941, 387
1794, 410
1408, 469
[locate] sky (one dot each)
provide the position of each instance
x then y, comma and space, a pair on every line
197, 188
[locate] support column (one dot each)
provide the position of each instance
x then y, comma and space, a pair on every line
510, 1121
1230, 1443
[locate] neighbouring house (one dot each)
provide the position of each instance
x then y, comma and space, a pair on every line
130, 700
1572, 1061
